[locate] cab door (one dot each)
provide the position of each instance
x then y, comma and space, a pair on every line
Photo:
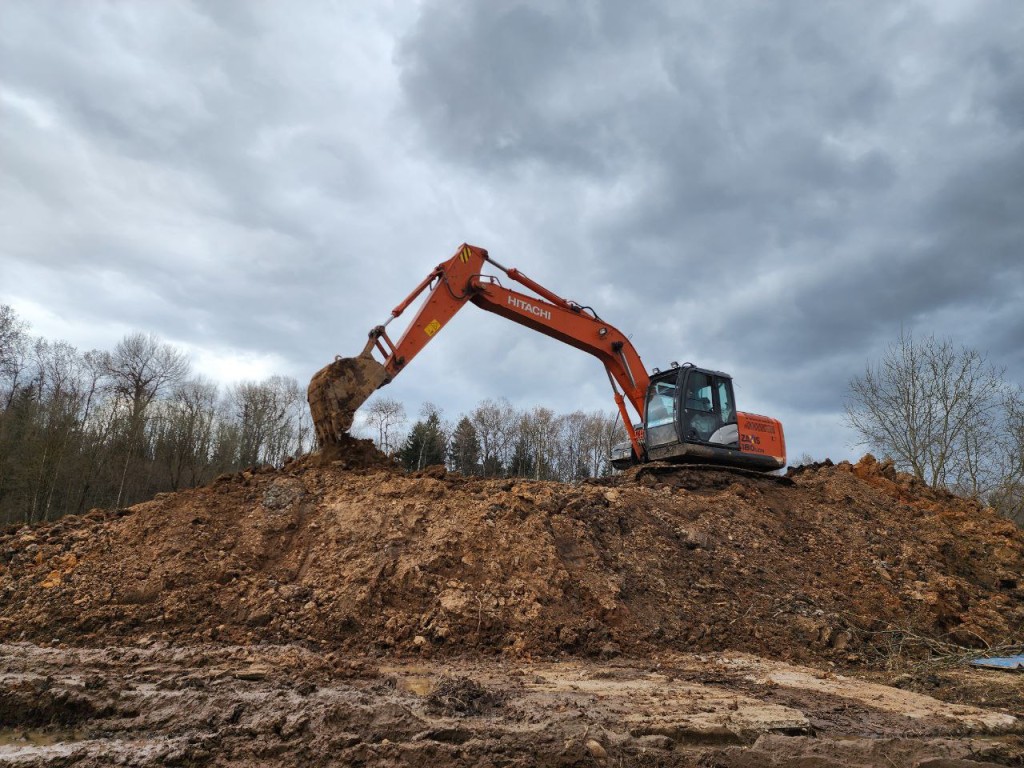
708, 412
660, 413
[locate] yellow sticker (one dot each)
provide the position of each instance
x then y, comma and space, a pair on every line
432, 327
464, 254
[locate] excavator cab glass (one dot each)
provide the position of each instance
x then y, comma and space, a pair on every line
709, 414
690, 405
660, 418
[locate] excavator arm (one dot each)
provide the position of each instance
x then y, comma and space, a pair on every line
337, 391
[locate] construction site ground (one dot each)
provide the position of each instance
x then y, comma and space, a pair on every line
340, 611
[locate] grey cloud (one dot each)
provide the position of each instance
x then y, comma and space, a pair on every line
796, 182
703, 138
195, 151
771, 189
508, 84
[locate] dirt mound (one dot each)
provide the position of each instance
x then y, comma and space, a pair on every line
347, 452
838, 562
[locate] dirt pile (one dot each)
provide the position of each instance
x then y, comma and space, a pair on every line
835, 562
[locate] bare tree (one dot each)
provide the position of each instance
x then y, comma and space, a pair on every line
14, 345
267, 415
573, 451
538, 429
1008, 495
497, 427
141, 368
932, 408
186, 440
386, 416
604, 430
65, 392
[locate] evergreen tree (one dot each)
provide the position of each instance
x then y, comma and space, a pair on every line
581, 471
425, 445
464, 448
523, 462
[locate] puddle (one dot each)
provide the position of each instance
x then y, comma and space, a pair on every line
412, 679
28, 737
419, 685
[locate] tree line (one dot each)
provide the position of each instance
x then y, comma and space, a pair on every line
496, 439
112, 428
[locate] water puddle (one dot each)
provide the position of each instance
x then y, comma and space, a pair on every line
420, 686
28, 737
417, 680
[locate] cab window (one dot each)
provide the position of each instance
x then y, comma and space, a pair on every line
698, 393
701, 421
661, 404
728, 413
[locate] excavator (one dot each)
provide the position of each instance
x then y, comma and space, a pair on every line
686, 414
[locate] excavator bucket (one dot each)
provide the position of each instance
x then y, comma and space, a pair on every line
337, 390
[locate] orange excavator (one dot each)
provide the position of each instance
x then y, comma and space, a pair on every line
687, 414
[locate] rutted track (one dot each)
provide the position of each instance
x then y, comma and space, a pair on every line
234, 706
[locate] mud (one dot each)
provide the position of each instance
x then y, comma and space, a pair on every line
284, 705
340, 611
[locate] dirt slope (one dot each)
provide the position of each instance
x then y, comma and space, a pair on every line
835, 562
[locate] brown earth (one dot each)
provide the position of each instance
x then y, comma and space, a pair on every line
835, 562
344, 557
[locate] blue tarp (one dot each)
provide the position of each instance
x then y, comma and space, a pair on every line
1007, 662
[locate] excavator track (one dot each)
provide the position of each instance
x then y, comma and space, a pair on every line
664, 470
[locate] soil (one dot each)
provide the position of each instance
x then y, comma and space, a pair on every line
204, 704
341, 611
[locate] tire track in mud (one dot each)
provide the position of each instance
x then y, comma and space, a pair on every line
249, 706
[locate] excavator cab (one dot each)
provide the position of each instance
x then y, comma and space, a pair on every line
690, 416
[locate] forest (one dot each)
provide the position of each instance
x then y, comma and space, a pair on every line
109, 429
496, 439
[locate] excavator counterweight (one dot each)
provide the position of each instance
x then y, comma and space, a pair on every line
701, 425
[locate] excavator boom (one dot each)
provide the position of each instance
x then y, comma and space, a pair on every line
337, 390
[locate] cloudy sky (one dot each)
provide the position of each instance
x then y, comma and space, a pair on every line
770, 189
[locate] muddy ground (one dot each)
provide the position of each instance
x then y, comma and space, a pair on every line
285, 705
339, 611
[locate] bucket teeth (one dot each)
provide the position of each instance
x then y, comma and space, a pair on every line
337, 390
